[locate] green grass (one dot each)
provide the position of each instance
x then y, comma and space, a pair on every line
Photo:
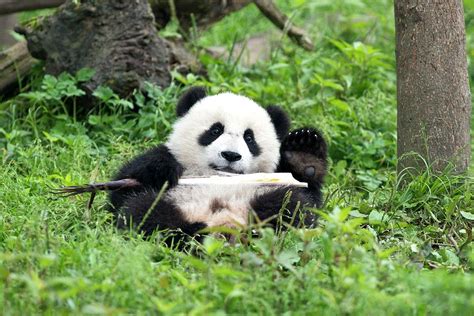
379, 249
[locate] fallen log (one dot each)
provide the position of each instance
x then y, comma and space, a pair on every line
15, 63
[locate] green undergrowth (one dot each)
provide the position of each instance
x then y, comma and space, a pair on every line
380, 248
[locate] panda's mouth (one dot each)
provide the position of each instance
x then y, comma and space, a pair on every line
225, 169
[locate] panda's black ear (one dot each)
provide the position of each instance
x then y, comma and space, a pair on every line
280, 119
188, 99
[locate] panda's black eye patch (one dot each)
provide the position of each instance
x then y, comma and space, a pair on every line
249, 138
251, 143
211, 134
217, 130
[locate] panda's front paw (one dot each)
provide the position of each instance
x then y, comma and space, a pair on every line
308, 140
304, 154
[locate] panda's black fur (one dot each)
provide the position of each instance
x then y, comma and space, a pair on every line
188, 210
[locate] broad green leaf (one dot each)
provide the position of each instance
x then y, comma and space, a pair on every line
287, 258
466, 215
104, 93
377, 218
341, 105
85, 74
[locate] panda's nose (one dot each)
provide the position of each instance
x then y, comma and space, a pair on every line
231, 156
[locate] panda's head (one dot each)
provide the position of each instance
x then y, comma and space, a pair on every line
226, 132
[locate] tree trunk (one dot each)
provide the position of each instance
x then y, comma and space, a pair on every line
434, 103
118, 39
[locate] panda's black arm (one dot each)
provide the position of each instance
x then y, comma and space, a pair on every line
153, 168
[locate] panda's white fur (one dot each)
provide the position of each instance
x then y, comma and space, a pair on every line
196, 203
237, 113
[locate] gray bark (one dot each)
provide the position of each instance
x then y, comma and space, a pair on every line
7, 23
434, 102
15, 62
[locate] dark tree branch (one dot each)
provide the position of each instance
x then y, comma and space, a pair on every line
12, 6
192, 13
270, 10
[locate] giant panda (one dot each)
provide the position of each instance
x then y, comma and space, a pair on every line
225, 132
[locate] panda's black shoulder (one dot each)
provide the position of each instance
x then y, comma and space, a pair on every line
152, 169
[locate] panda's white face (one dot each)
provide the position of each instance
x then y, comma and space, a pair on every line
225, 132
